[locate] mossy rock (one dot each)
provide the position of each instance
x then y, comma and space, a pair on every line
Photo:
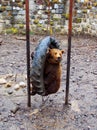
20, 4
21, 26
31, 32
47, 11
58, 30
61, 26
44, 29
89, 7
51, 23
39, 25
84, 11
36, 21
8, 31
66, 16
56, 19
78, 20
2, 8
55, 1
95, 4
12, 31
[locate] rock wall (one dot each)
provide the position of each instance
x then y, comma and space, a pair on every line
48, 17
85, 17
12, 16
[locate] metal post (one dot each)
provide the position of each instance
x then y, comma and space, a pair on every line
48, 25
28, 52
12, 18
69, 50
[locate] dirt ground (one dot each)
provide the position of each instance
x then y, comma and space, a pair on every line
51, 114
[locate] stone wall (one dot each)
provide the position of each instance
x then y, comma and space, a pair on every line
85, 17
48, 17
12, 16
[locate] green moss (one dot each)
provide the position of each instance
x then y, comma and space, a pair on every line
20, 4
95, 4
89, 7
8, 31
31, 32
84, 11
12, 31
66, 16
56, 19
44, 29
47, 11
36, 21
2, 8
51, 23
78, 20
39, 25
21, 25
55, 1
58, 30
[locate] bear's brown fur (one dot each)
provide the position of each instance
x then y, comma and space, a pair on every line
52, 71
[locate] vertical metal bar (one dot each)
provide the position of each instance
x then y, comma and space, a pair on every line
48, 25
69, 50
12, 13
28, 52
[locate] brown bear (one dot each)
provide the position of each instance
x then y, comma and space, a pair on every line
52, 71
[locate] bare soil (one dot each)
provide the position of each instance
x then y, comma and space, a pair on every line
51, 114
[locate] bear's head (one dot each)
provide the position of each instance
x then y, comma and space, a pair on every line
54, 56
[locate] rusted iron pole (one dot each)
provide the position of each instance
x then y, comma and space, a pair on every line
28, 52
48, 25
69, 50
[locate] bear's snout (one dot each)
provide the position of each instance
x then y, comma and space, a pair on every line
59, 59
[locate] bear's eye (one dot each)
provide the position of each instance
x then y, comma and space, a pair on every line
55, 53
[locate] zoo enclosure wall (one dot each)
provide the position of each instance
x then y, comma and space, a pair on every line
12, 17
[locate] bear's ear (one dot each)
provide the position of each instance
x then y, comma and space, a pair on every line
49, 50
62, 51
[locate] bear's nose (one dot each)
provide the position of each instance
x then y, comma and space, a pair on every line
59, 58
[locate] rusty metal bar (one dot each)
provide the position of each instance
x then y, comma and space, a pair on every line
48, 25
28, 52
69, 50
